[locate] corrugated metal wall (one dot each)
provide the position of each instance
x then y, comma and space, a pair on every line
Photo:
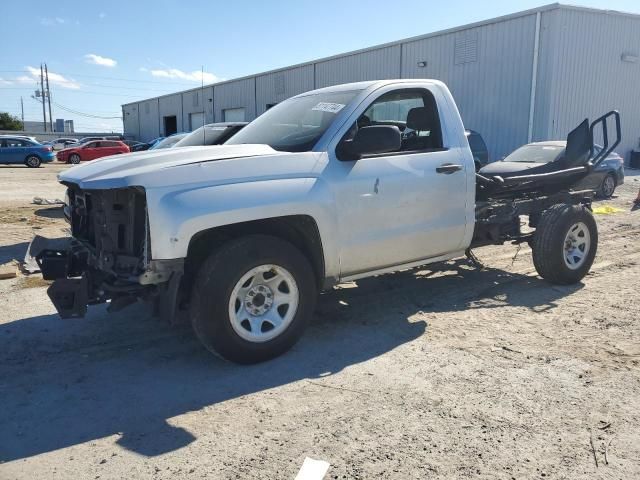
195, 101
149, 120
130, 120
235, 94
379, 64
170, 105
589, 76
545, 76
278, 86
488, 70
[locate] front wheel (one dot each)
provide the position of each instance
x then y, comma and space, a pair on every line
253, 299
565, 243
33, 161
74, 158
608, 186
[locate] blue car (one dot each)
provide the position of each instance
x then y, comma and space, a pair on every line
21, 150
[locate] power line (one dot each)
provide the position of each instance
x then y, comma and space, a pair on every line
90, 115
30, 108
82, 114
109, 78
76, 91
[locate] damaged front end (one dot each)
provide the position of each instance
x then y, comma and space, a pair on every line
109, 257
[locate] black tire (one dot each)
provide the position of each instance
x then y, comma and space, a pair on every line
608, 186
74, 158
548, 243
32, 161
214, 286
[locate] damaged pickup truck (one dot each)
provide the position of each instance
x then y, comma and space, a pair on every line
332, 185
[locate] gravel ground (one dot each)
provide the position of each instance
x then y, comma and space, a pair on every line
447, 372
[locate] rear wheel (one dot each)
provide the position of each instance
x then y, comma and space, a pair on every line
32, 161
565, 243
608, 186
253, 298
74, 158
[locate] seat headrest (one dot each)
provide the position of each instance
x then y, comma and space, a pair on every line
420, 118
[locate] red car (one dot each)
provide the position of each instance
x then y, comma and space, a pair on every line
91, 151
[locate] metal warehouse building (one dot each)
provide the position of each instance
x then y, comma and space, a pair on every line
528, 76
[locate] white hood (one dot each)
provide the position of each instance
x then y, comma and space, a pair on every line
196, 164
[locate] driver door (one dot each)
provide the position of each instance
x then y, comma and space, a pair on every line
407, 205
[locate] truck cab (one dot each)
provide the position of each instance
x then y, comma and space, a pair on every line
388, 154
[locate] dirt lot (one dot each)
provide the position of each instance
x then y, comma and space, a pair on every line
450, 372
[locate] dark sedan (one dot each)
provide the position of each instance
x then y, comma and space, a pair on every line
136, 146
528, 158
211, 134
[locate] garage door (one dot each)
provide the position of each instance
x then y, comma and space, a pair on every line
234, 115
196, 120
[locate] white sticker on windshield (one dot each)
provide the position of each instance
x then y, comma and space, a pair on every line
328, 107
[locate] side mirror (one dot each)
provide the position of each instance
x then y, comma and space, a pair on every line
376, 139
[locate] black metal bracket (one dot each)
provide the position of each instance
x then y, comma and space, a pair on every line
606, 147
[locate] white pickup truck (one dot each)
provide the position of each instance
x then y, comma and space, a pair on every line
329, 186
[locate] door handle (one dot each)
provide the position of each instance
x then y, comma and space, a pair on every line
448, 168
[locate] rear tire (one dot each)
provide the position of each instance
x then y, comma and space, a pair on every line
565, 243
32, 161
235, 298
74, 158
608, 186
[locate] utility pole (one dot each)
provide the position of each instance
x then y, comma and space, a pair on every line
22, 110
46, 72
44, 112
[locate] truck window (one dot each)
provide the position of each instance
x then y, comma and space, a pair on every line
296, 124
413, 111
476, 142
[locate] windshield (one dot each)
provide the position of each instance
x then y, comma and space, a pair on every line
168, 142
206, 135
536, 154
295, 125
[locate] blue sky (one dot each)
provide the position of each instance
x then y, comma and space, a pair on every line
103, 54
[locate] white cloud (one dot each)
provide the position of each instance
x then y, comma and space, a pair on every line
98, 60
195, 76
102, 15
5, 82
24, 79
48, 21
54, 79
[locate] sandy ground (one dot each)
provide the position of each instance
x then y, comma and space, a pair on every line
450, 372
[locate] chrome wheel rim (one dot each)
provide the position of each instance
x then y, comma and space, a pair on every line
576, 246
32, 161
609, 186
263, 303
75, 159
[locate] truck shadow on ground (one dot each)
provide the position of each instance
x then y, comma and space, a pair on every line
11, 252
63, 383
50, 212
